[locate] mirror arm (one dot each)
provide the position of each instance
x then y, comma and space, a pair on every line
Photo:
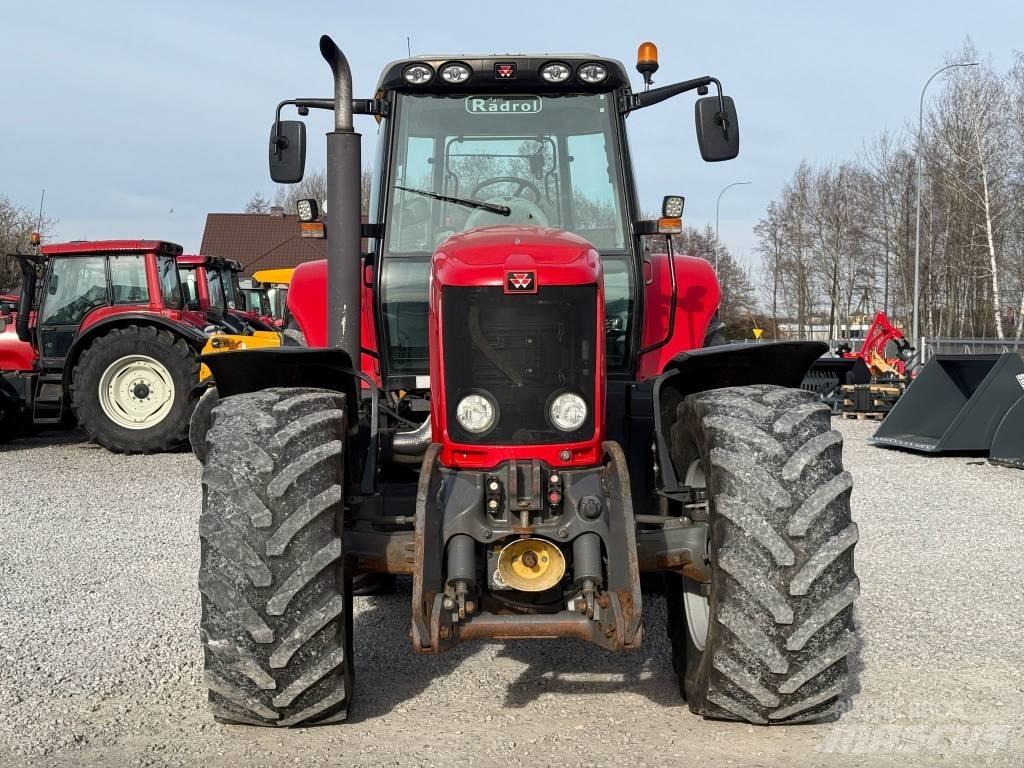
658, 95
721, 118
359, 107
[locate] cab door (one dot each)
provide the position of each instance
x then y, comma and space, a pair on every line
74, 286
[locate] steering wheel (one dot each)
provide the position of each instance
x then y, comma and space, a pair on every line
520, 186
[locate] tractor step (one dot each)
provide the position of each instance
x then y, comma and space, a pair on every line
48, 402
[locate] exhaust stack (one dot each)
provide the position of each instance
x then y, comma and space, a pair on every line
344, 212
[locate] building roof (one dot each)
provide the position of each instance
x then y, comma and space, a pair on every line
260, 240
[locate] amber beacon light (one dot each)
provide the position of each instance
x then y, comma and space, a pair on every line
647, 61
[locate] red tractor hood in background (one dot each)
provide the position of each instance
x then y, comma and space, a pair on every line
488, 257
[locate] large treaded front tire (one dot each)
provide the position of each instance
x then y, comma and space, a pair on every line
276, 620
781, 551
171, 351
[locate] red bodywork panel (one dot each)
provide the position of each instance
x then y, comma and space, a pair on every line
697, 300
483, 257
307, 304
15, 354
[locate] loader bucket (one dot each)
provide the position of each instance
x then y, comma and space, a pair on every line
1008, 443
955, 405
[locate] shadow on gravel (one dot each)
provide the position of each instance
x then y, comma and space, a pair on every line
389, 673
578, 668
45, 439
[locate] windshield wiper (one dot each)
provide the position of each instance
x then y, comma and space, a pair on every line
501, 210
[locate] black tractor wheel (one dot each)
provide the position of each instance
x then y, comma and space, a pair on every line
293, 337
199, 425
132, 389
766, 641
276, 616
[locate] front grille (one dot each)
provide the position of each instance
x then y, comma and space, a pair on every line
522, 350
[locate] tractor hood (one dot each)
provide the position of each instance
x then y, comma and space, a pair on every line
518, 258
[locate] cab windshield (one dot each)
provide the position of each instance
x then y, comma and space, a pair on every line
550, 160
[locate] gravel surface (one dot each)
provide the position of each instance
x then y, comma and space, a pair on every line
100, 661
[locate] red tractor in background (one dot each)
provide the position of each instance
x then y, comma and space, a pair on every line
211, 285
511, 398
106, 337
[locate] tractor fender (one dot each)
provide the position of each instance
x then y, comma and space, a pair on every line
252, 370
195, 337
781, 363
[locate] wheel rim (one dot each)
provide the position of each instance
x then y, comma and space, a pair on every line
136, 392
697, 606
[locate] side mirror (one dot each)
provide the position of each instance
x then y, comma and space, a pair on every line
718, 132
287, 151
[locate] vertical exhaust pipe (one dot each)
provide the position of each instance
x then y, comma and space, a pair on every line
344, 214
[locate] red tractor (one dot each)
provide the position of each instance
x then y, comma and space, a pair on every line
519, 405
107, 337
211, 286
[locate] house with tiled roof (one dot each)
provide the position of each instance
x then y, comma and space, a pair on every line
260, 240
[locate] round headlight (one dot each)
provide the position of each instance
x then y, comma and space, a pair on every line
593, 73
568, 411
475, 413
555, 72
455, 73
417, 74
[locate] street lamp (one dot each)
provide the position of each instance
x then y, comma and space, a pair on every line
730, 186
917, 231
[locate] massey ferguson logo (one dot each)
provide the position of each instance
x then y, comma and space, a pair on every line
520, 282
505, 71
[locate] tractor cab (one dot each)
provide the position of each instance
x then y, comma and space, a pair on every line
534, 142
211, 286
85, 281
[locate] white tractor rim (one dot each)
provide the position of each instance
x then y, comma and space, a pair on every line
698, 607
136, 392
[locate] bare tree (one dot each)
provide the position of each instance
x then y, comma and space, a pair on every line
257, 204
16, 227
314, 185
837, 243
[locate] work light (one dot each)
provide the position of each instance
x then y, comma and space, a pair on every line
555, 72
417, 74
592, 73
307, 209
476, 413
568, 411
672, 206
456, 72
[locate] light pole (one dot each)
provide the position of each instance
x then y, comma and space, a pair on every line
917, 226
730, 186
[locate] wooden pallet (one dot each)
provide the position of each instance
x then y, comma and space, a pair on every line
872, 416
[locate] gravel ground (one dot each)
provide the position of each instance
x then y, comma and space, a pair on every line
100, 661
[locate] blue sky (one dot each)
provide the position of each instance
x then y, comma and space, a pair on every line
128, 111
